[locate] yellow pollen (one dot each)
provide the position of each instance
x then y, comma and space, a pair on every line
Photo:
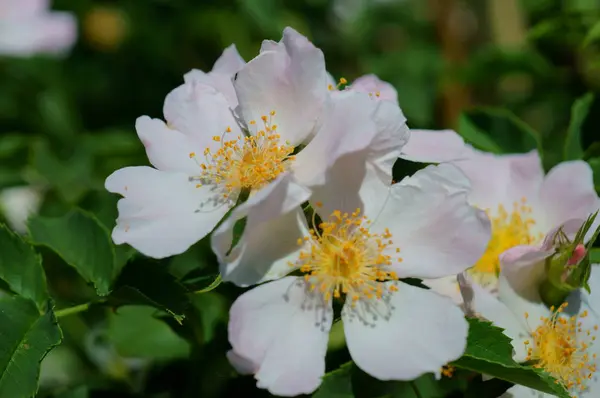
343, 81
448, 370
508, 230
344, 258
559, 348
246, 162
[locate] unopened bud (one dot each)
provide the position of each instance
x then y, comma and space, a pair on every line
569, 267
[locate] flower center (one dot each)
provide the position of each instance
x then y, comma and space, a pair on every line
560, 347
344, 257
246, 162
508, 230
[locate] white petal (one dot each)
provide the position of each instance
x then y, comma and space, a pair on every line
378, 89
347, 132
446, 286
528, 302
200, 112
392, 135
167, 149
417, 332
162, 213
242, 365
269, 241
48, 33
519, 391
293, 83
230, 62
437, 231
221, 82
502, 179
568, 192
284, 330
524, 269
431, 146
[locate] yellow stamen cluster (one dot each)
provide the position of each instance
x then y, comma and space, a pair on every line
342, 82
508, 230
246, 162
344, 257
560, 347
448, 370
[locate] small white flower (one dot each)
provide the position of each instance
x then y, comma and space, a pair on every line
28, 27
420, 227
561, 341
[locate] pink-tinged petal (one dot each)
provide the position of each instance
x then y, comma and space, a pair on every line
161, 213
241, 365
392, 135
437, 231
447, 287
415, 332
483, 304
49, 33
167, 149
376, 88
502, 179
12, 9
269, 242
568, 192
291, 81
347, 131
200, 112
523, 268
221, 82
283, 329
431, 146
230, 62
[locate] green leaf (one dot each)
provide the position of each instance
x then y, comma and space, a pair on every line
579, 112
137, 333
21, 268
498, 130
25, 339
83, 242
70, 177
592, 35
489, 351
595, 256
337, 384
212, 309
78, 392
149, 283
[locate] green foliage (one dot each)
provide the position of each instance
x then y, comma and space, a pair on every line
21, 268
498, 131
579, 112
137, 333
489, 351
337, 384
25, 339
83, 243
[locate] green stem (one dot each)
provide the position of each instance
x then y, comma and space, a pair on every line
415, 389
75, 309
210, 287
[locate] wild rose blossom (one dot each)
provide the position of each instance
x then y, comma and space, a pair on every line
560, 340
370, 237
28, 27
206, 154
523, 204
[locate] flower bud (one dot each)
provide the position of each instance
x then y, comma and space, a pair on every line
569, 267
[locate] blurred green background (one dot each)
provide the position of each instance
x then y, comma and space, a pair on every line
504, 66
